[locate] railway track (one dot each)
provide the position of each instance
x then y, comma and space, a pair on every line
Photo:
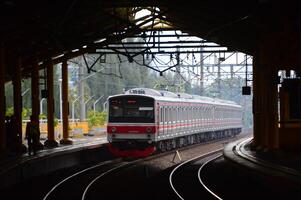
179, 185
137, 179
128, 177
80, 184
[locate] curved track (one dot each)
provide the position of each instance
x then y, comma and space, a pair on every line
77, 180
83, 184
188, 173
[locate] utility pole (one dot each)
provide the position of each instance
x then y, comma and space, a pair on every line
201, 72
73, 109
178, 76
94, 104
88, 101
41, 105
219, 76
81, 91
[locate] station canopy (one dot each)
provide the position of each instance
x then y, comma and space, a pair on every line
38, 31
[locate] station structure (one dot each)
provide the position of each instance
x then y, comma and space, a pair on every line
36, 36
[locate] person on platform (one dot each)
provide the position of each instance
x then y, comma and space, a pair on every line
32, 135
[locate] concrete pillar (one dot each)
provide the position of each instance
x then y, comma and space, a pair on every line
50, 142
65, 103
265, 103
17, 121
272, 108
35, 97
257, 105
2, 102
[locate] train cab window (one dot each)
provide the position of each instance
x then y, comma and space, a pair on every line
131, 109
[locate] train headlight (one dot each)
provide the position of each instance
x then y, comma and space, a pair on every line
113, 129
148, 129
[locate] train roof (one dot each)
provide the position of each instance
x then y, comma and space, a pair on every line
163, 95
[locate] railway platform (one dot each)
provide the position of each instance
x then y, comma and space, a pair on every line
280, 170
15, 168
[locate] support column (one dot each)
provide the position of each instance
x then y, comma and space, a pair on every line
265, 104
17, 119
260, 102
256, 103
35, 98
65, 103
2, 102
50, 142
272, 108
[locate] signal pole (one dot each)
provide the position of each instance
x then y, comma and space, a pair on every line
81, 91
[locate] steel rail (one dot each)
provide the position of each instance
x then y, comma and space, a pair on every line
239, 150
100, 176
186, 162
202, 183
76, 174
155, 156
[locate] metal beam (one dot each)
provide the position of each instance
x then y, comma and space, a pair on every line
162, 47
162, 52
162, 42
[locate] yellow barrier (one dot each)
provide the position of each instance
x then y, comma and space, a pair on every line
76, 130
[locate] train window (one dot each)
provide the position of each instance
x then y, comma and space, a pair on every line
131, 109
161, 114
164, 112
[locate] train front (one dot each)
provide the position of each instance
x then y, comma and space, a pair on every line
131, 125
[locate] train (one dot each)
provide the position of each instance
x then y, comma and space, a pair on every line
142, 121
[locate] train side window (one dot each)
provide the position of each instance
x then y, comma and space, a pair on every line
161, 115
172, 114
185, 114
198, 113
167, 115
182, 114
177, 108
164, 115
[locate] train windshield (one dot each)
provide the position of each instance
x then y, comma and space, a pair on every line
131, 109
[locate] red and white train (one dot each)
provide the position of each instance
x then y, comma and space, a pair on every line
144, 120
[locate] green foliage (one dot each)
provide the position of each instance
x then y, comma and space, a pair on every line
42, 116
99, 118
26, 112
55, 122
9, 112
